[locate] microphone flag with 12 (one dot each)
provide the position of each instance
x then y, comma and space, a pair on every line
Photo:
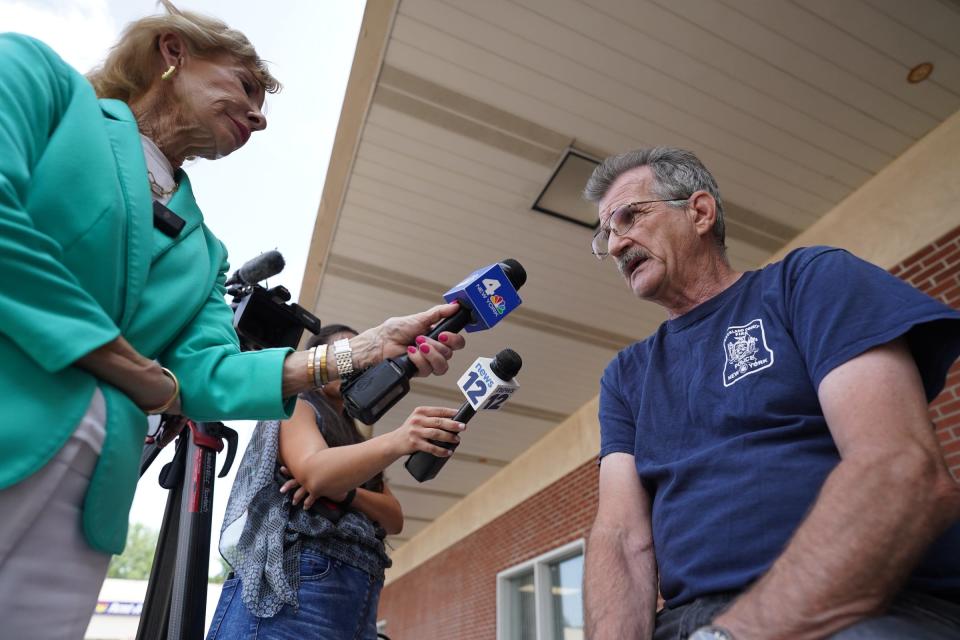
487, 384
483, 387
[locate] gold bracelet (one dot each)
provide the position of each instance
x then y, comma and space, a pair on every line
316, 369
173, 398
311, 376
324, 378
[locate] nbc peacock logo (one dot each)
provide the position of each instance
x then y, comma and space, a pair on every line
498, 304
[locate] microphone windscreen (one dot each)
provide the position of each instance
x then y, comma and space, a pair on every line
264, 266
514, 271
506, 364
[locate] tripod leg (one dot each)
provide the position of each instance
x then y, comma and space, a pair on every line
189, 597
156, 604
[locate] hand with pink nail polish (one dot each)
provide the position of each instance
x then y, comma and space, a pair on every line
408, 335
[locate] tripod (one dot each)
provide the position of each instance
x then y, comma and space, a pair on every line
176, 601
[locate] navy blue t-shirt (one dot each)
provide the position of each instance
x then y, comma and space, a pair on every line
719, 408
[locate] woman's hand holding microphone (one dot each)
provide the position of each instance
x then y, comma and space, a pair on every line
422, 426
401, 335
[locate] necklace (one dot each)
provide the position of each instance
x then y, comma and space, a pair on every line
159, 191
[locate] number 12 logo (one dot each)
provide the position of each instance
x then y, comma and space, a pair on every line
496, 401
474, 387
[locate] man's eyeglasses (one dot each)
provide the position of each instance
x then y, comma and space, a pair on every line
620, 222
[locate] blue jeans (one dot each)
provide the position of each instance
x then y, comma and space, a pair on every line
337, 602
912, 616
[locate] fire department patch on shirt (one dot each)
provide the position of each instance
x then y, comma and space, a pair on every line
746, 350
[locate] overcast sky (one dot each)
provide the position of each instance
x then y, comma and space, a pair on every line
265, 196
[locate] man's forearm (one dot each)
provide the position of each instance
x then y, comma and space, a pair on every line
620, 585
853, 552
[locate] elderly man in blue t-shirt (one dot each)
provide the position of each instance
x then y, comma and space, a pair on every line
767, 459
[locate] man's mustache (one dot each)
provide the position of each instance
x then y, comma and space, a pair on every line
628, 256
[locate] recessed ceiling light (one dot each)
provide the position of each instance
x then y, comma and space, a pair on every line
920, 72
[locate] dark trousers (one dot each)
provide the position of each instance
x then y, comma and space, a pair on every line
912, 616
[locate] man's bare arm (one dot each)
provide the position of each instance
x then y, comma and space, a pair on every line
885, 502
620, 574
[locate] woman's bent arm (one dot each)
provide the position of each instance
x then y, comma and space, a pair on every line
325, 471
380, 507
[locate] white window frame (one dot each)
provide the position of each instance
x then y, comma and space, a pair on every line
543, 603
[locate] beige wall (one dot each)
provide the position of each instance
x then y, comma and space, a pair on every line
906, 206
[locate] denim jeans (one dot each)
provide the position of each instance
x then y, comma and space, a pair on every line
337, 602
911, 616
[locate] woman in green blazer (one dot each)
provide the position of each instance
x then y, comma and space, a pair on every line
105, 318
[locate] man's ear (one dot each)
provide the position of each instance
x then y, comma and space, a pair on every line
171, 49
704, 208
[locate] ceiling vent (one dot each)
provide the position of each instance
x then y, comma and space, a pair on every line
562, 197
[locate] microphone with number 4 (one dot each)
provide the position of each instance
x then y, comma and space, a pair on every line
485, 297
487, 384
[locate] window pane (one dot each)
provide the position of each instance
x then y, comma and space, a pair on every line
566, 578
523, 617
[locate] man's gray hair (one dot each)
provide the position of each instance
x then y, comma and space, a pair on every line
677, 174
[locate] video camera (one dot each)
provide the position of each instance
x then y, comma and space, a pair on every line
264, 318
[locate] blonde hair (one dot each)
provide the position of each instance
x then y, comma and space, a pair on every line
131, 65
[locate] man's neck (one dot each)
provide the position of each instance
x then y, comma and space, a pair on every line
711, 277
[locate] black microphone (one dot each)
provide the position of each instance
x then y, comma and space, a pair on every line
370, 395
484, 392
266, 265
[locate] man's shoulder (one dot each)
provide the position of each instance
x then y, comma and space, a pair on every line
815, 261
798, 259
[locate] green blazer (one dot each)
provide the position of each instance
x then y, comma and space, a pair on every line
80, 264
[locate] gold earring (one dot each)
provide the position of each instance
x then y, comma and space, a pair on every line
169, 72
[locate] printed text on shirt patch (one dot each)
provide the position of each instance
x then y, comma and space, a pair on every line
746, 350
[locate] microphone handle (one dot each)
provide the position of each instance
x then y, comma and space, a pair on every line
464, 414
453, 324
425, 466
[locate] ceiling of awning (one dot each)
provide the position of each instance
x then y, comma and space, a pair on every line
792, 105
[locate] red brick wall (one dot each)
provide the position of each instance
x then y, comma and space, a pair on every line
935, 270
452, 596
